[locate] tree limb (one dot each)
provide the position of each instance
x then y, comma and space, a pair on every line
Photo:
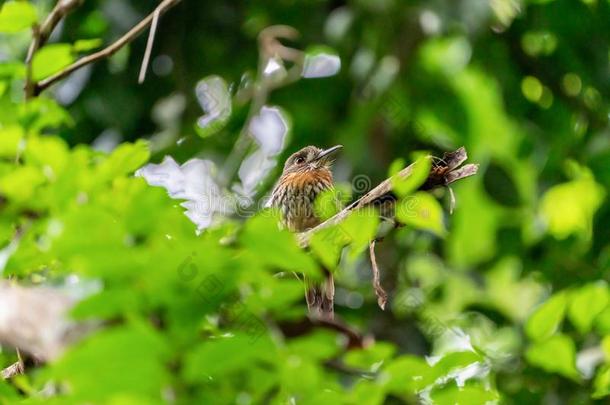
35, 320
109, 50
40, 35
444, 172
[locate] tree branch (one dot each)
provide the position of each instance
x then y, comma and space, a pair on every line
109, 50
38, 323
40, 35
444, 172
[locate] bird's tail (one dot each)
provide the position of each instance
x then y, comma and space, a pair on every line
321, 296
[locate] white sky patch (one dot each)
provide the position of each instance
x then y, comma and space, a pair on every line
193, 182
321, 65
215, 100
269, 129
588, 359
252, 171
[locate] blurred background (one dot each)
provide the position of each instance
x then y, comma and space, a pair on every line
522, 84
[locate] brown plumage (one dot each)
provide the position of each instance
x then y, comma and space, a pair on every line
306, 174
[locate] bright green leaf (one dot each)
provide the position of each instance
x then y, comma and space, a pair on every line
262, 234
418, 175
601, 383
11, 141
51, 59
587, 302
471, 394
555, 355
16, 16
545, 321
421, 211
568, 208
125, 159
84, 45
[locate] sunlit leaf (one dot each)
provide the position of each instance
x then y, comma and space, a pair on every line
51, 59
421, 211
16, 16
586, 303
469, 394
419, 174
261, 234
84, 45
138, 351
601, 383
127, 158
568, 208
555, 355
547, 318
11, 141
216, 357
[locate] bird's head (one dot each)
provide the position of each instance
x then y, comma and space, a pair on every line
311, 158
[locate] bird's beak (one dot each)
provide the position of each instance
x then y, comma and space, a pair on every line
327, 154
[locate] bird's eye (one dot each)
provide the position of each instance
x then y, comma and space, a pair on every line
299, 160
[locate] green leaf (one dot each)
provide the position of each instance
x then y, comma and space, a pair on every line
84, 45
21, 184
407, 375
471, 394
318, 345
370, 357
216, 357
51, 59
418, 175
568, 208
327, 204
361, 226
545, 321
605, 345
47, 153
119, 361
421, 211
125, 159
328, 243
587, 302
106, 305
555, 355
275, 247
601, 383
11, 141
17, 16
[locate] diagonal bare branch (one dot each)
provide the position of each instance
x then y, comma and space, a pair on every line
443, 173
109, 50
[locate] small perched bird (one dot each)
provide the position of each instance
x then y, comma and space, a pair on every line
306, 174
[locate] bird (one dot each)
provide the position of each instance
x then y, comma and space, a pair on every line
306, 174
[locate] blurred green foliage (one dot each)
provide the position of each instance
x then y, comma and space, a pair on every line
506, 300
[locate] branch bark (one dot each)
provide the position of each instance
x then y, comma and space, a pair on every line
109, 50
444, 172
40, 35
36, 321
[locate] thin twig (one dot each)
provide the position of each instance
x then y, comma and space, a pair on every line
382, 296
149, 46
109, 50
12, 370
40, 35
